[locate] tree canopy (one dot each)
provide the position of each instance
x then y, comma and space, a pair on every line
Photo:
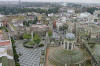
64, 27
49, 33
27, 36
15, 10
92, 9
27, 23
36, 39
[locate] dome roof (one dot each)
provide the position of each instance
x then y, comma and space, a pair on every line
70, 36
61, 56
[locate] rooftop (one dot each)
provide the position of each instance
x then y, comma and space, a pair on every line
3, 52
84, 15
39, 26
70, 36
5, 42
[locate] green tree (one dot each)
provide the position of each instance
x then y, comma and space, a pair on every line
15, 10
30, 22
35, 20
25, 23
92, 9
27, 36
49, 33
64, 27
36, 39
12, 40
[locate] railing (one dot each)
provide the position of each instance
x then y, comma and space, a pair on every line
95, 61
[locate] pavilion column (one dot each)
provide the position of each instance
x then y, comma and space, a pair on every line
79, 64
65, 64
32, 35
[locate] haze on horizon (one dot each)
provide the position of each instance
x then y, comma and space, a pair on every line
75, 1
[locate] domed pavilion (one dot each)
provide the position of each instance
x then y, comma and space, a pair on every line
67, 54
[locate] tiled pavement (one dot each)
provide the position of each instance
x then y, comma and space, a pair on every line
29, 57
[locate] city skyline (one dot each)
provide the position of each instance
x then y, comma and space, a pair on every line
75, 1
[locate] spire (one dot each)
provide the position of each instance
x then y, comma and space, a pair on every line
32, 35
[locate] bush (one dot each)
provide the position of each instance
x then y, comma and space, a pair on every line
12, 40
41, 45
17, 64
36, 39
27, 36
15, 53
92, 45
4, 28
21, 37
28, 44
25, 42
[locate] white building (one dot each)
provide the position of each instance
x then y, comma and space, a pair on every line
17, 23
85, 17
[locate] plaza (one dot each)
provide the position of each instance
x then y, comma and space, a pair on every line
28, 57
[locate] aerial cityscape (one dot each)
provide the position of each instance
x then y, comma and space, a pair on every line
49, 33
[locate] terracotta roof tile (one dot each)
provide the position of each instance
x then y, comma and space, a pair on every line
5, 42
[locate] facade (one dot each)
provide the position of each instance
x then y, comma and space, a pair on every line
6, 51
39, 29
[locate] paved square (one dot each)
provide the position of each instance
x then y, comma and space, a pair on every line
29, 57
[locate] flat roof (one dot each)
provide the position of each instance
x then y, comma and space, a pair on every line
40, 26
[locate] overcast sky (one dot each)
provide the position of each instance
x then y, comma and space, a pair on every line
82, 1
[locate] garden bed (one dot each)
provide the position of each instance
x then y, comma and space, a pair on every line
28, 44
